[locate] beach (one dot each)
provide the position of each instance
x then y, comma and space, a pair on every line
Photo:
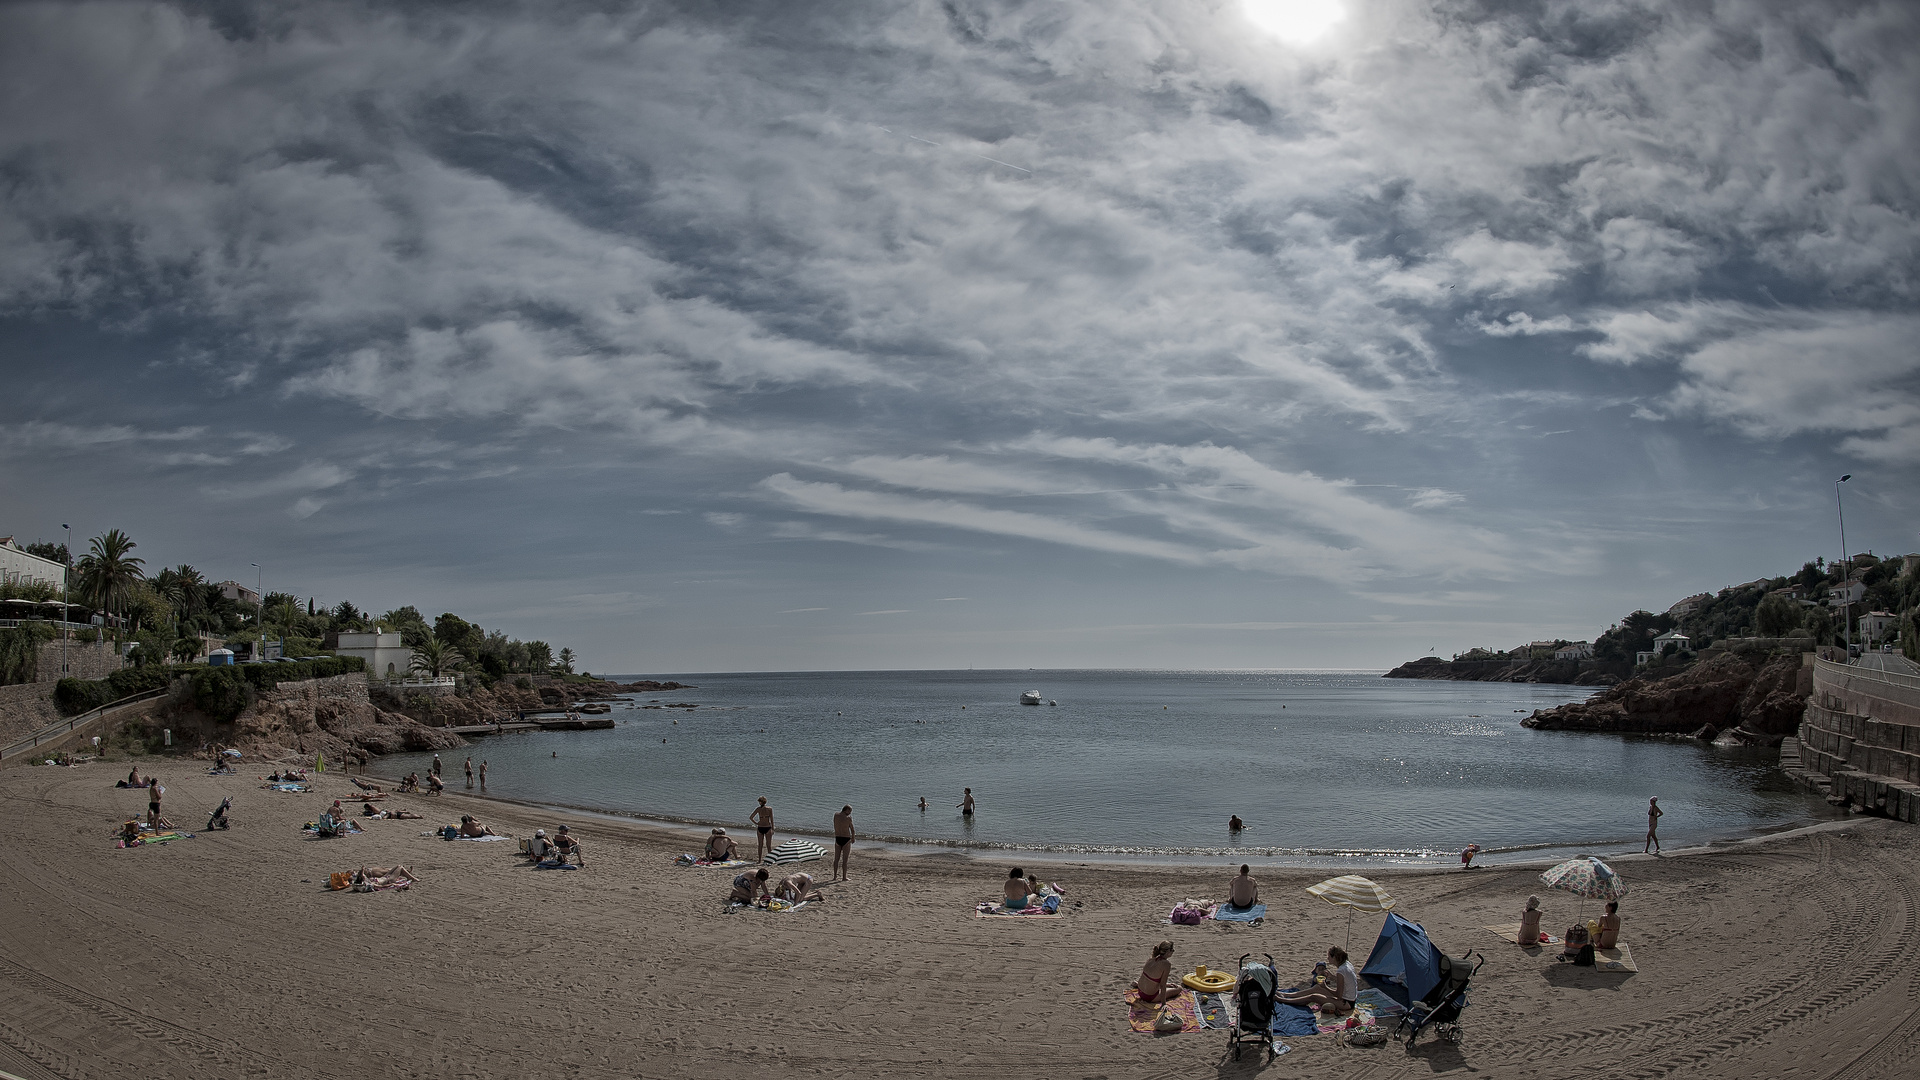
226, 955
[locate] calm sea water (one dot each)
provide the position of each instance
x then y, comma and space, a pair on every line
1324, 767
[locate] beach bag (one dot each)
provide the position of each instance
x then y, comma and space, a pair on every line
1584, 958
449, 832
337, 880
1051, 905
1167, 1020
1186, 916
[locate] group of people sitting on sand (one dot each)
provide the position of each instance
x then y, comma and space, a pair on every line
751, 888
1023, 890
1579, 944
287, 776
560, 847
411, 783
1333, 987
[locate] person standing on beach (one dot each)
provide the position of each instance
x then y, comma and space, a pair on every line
842, 841
469, 772
966, 803
762, 818
1654, 814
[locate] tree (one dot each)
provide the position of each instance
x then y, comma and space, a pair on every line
539, 656
183, 589
434, 658
146, 609
108, 573
54, 552
185, 649
458, 633
1775, 616
566, 661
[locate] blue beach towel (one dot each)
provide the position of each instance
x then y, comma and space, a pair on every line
1293, 1020
555, 866
1229, 913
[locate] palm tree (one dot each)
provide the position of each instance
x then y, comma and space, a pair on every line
432, 657
108, 573
566, 661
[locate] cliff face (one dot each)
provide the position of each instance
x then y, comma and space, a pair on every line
319, 716
1568, 672
1750, 697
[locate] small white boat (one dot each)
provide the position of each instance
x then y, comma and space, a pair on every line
1031, 697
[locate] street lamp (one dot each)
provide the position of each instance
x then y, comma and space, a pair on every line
260, 608
66, 576
1846, 608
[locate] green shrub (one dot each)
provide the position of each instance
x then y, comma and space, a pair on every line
267, 676
221, 692
20, 652
73, 696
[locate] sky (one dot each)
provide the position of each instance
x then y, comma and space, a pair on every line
713, 336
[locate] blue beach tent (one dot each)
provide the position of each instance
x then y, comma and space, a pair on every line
1404, 965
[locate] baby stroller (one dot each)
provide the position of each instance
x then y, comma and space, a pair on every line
218, 819
1254, 995
1430, 985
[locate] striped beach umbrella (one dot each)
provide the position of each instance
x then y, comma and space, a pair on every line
796, 850
1587, 878
1355, 893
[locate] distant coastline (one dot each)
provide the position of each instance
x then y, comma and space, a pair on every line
1562, 672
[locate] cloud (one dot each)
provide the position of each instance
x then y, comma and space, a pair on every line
314, 476
888, 611
799, 610
1519, 323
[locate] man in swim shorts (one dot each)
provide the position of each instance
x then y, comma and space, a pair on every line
762, 818
795, 888
1243, 892
966, 803
842, 841
744, 886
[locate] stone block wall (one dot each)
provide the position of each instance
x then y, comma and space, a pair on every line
25, 709
95, 661
1859, 740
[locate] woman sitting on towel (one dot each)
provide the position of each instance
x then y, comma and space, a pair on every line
1016, 891
1156, 982
1529, 936
1334, 997
721, 847
1609, 928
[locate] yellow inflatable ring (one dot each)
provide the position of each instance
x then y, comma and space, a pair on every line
1212, 982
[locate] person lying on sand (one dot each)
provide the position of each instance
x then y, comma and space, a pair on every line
1335, 996
1156, 982
399, 813
383, 875
470, 826
365, 786
745, 885
1243, 891
721, 847
796, 888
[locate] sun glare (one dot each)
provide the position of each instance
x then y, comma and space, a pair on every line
1296, 21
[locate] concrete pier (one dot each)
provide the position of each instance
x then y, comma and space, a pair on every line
1859, 740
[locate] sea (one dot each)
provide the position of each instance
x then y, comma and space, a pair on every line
1325, 768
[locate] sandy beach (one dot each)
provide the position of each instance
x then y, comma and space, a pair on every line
226, 955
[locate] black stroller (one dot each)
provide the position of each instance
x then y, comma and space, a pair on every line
1430, 985
218, 819
1254, 997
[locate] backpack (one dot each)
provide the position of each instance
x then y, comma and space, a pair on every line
1186, 916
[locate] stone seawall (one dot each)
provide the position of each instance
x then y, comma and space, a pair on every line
84, 661
1859, 741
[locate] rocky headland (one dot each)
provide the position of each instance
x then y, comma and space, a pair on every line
1732, 694
1566, 672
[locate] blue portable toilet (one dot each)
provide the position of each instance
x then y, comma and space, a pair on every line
220, 658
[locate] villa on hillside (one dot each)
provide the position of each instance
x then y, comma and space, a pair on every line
386, 655
1673, 641
1850, 592
1578, 650
18, 566
1877, 626
233, 590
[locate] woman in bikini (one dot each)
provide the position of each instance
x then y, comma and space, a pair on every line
1156, 983
762, 818
1015, 891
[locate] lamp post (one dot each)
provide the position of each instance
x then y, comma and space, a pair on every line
66, 576
260, 607
1846, 607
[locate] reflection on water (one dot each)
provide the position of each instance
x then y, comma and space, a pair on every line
1339, 767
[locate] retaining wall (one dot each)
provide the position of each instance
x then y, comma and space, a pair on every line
1859, 741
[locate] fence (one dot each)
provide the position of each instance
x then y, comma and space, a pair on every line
67, 727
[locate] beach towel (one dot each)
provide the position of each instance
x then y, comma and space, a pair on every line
730, 863
1217, 1011
476, 839
1191, 912
1292, 1020
1511, 931
991, 909
1620, 959
286, 787
1229, 913
1140, 1016
550, 865
157, 838
1378, 1003
774, 907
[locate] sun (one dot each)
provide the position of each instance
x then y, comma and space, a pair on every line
1295, 21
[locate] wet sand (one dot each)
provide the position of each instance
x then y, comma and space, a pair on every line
225, 955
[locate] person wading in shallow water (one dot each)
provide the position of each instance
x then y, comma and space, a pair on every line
966, 803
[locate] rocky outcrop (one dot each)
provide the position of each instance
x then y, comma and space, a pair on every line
1744, 696
1566, 672
330, 716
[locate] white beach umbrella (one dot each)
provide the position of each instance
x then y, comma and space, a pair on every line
796, 850
1355, 893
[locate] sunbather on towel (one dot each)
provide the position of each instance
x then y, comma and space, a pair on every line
795, 888
1609, 928
1529, 936
1016, 890
1335, 996
470, 826
745, 885
1243, 891
1156, 982
383, 875
721, 847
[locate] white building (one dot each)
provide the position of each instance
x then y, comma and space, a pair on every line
1579, 650
17, 565
1877, 626
385, 654
1850, 592
233, 590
